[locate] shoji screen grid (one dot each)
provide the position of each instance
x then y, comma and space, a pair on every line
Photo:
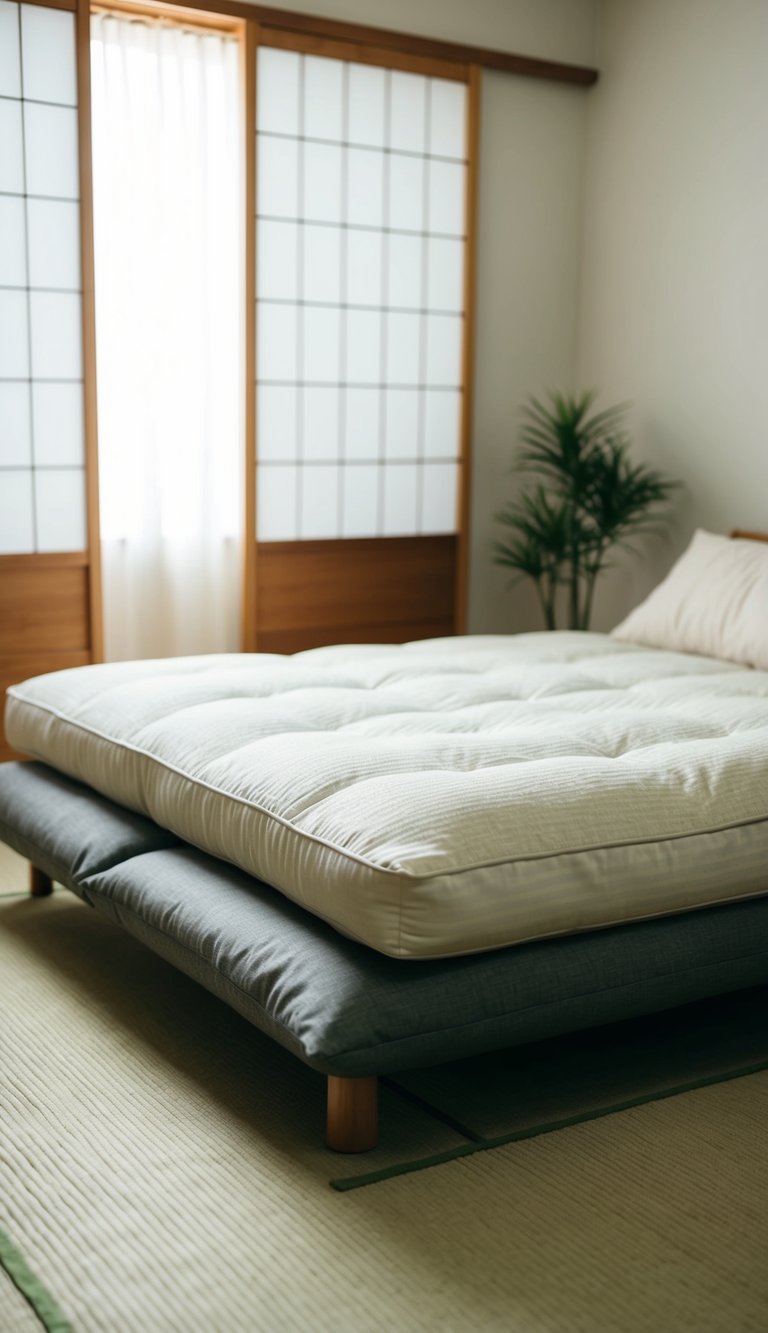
361, 177
42, 466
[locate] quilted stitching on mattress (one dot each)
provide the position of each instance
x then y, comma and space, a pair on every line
439, 797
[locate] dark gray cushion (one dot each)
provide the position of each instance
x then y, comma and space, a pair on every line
65, 828
345, 1009
336, 1004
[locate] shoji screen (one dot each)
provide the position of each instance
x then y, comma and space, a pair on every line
45, 617
361, 345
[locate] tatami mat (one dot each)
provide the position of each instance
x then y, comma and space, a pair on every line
16, 1314
161, 1169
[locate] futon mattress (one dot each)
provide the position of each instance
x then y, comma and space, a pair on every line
442, 797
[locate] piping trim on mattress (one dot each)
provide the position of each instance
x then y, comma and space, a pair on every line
404, 872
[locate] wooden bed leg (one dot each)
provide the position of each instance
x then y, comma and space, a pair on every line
40, 884
353, 1114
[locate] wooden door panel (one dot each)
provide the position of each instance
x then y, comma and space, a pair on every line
43, 605
50, 599
366, 590
299, 640
45, 621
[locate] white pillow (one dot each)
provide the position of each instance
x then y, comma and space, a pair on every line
714, 601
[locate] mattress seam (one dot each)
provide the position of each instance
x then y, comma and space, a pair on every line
70, 879
341, 851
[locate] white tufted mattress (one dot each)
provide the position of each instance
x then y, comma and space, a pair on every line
441, 797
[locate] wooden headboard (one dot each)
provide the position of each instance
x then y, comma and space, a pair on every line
750, 536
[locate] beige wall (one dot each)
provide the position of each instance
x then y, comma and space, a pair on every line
551, 29
529, 252
674, 299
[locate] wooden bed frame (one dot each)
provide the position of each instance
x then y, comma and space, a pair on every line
352, 1103
749, 536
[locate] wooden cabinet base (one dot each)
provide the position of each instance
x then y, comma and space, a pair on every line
353, 1114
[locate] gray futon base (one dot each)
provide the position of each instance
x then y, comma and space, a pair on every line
339, 1006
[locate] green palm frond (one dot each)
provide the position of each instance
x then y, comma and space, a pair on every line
541, 529
538, 546
623, 498
563, 440
591, 498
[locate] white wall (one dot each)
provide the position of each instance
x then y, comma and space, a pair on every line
674, 299
529, 247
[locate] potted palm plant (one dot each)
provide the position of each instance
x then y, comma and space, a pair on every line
588, 499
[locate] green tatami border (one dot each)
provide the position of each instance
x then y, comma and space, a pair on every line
31, 1288
477, 1144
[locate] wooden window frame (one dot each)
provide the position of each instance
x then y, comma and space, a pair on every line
334, 48
69, 5
51, 601
83, 43
211, 19
362, 35
288, 29
177, 15
431, 67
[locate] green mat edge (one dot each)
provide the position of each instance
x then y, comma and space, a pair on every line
344, 1183
31, 1288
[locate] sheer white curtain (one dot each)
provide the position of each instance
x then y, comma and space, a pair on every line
167, 217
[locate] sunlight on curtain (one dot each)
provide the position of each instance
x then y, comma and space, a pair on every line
167, 216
